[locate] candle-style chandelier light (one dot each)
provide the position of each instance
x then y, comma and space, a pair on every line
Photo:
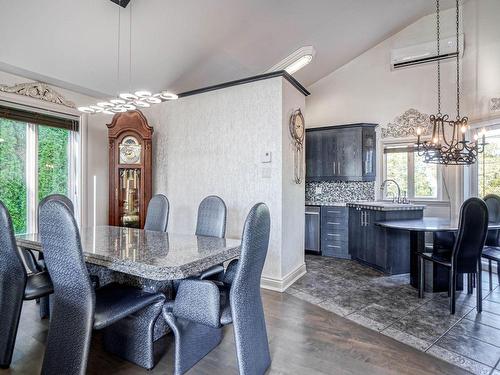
127, 101
441, 149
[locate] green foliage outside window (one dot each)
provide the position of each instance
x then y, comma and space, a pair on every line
489, 165
12, 171
52, 167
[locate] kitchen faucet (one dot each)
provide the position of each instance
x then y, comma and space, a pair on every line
383, 185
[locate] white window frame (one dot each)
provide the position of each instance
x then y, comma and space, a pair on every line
471, 173
410, 189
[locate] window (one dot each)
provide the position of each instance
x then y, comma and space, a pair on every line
488, 166
36, 160
417, 180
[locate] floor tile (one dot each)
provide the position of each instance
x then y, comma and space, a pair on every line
406, 338
485, 317
492, 307
459, 360
471, 348
383, 314
367, 322
468, 328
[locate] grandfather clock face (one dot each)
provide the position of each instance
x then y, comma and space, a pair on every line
130, 151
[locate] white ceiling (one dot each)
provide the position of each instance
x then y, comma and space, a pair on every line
188, 44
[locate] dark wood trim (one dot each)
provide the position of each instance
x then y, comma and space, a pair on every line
243, 81
355, 125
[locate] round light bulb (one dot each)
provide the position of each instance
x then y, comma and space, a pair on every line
128, 96
86, 109
142, 93
168, 96
140, 103
105, 104
117, 101
129, 107
419, 130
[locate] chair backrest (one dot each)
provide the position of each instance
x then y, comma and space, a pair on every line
57, 197
254, 245
244, 296
493, 203
471, 235
212, 213
74, 298
157, 215
12, 283
12, 271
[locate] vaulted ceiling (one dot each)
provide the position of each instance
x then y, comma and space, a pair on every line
188, 44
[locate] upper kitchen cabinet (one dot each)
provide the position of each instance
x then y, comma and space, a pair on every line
341, 153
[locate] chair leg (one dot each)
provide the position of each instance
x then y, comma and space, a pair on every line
453, 287
473, 280
479, 289
469, 283
490, 274
421, 277
498, 271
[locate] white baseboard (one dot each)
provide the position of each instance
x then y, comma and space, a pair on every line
280, 285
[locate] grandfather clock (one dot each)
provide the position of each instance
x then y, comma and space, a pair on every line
129, 169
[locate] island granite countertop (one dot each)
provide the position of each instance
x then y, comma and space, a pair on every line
386, 206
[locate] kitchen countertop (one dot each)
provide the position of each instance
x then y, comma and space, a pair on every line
151, 255
386, 206
322, 203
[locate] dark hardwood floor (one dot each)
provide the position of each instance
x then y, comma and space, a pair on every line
304, 339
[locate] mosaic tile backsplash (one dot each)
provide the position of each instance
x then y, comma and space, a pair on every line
340, 191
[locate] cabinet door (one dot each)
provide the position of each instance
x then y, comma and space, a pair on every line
349, 154
354, 232
314, 153
329, 141
369, 154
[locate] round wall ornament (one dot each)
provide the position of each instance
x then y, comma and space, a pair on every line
297, 132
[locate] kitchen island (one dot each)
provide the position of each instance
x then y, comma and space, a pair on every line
384, 249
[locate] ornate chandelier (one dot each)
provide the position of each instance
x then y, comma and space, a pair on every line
441, 149
127, 101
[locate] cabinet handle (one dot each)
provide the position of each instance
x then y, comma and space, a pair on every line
333, 212
332, 222
333, 234
338, 247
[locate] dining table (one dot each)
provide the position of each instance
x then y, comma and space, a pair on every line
149, 260
437, 276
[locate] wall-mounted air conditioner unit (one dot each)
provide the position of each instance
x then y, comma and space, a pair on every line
426, 53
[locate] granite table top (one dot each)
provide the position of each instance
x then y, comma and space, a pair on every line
427, 224
153, 255
386, 206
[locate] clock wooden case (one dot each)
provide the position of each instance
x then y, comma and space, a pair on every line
130, 179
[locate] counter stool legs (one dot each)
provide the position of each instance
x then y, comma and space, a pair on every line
479, 287
453, 287
490, 274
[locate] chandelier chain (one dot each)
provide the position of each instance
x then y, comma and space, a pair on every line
438, 61
458, 61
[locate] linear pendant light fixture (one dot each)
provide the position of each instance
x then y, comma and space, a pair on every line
295, 61
127, 101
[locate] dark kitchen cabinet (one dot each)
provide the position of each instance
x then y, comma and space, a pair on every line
341, 153
334, 232
383, 249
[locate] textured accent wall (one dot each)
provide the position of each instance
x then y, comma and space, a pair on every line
340, 191
213, 143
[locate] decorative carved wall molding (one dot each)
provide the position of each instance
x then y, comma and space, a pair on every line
495, 104
39, 91
405, 125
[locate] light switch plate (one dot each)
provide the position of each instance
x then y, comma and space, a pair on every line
266, 157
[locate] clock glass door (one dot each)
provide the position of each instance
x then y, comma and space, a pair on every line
130, 190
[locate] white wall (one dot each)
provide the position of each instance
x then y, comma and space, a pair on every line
213, 143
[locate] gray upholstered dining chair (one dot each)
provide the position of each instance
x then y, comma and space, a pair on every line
157, 214
466, 254
34, 264
16, 286
202, 307
78, 308
491, 251
211, 222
